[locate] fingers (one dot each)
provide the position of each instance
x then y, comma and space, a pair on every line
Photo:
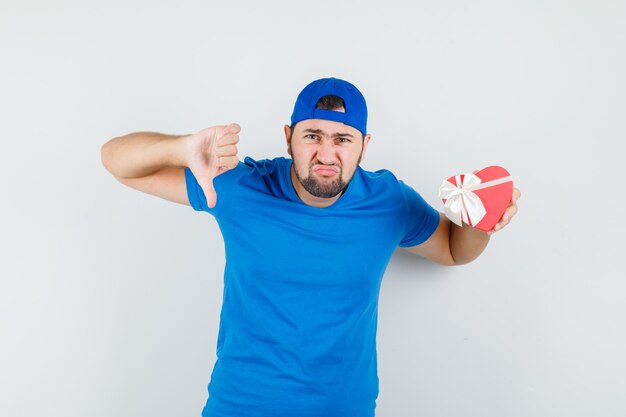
226, 150
226, 144
226, 147
506, 217
227, 162
230, 139
516, 195
510, 211
226, 157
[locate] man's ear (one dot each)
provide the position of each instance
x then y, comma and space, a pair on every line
287, 130
366, 140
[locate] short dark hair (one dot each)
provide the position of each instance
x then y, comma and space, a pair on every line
330, 102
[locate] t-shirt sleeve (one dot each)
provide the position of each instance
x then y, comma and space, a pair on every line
421, 218
196, 196
225, 188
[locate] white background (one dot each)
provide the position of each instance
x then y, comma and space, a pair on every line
110, 298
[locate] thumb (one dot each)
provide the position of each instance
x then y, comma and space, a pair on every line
209, 191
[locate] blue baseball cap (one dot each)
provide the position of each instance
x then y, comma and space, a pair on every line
356, 109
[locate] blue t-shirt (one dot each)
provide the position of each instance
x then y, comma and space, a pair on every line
297, 332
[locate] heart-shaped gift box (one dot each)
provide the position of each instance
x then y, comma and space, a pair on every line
479, 199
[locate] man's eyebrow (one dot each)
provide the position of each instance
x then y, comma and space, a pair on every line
318, 131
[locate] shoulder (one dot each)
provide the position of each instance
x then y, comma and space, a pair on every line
264, 166
249, 169
379, 178
381, 181
267, 176
384, 184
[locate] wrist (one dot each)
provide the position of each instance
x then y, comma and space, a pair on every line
178, 151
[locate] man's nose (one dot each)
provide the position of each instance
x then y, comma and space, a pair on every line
326, 152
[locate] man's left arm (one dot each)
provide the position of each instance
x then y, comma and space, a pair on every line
453, 245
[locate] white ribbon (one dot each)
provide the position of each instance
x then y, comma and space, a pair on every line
462, 205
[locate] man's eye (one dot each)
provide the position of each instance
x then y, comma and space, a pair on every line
344, 140
311, 136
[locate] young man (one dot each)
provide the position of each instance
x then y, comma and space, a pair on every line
307, 241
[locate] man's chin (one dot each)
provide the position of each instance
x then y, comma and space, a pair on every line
324, 189
329, 194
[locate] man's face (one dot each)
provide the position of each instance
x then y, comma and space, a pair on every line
325, 155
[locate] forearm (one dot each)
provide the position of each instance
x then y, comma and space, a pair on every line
466, 243
139, 154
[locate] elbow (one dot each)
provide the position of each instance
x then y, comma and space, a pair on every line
105, 156
463, 260
446, 261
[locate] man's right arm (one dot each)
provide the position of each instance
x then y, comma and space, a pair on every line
149, 162
154, 163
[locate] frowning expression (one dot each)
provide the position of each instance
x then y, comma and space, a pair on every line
325, 156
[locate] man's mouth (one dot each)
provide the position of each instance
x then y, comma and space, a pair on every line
325, 170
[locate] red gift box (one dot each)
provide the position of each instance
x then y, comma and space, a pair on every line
479, 199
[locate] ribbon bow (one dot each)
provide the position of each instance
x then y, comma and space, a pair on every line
462, 204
